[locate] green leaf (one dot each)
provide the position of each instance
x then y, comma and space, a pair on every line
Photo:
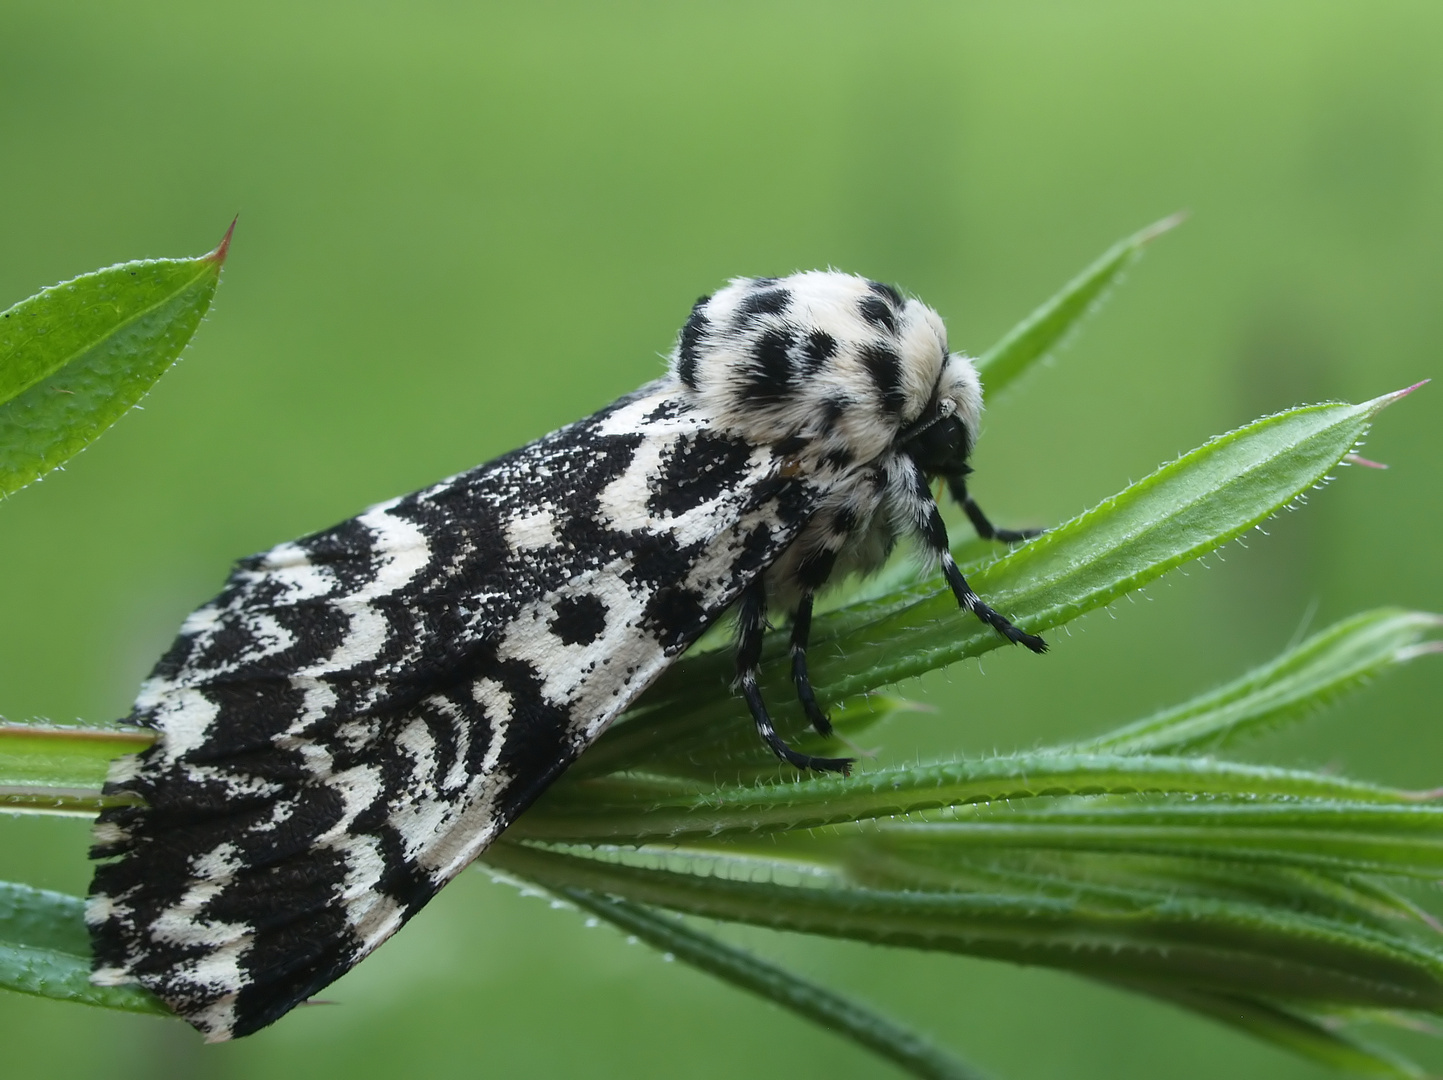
640, 808
830, 1010
75, 357
1045, 329
1320, 834
1110, 933
45, 950
1302, 680
49, 769
879, 863
1182, 511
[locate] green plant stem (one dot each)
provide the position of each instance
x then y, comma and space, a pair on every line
830, 1010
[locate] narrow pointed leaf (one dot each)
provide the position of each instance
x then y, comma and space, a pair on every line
45, 951
1300, 681
75, 357
1323, 835
904, 1048
1076, 874
637, 809
1298, 1030
1183, 511
1215, 945
1047, 327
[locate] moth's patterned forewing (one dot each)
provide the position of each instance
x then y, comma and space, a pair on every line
360, 713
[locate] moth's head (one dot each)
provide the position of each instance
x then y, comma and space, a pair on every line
844, 366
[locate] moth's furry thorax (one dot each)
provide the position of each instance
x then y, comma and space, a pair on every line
832, 364
855, 384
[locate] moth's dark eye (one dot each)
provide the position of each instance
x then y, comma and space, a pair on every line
941, 448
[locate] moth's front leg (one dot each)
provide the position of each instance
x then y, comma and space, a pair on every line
932, 531
985, 529
751, 630
811, 575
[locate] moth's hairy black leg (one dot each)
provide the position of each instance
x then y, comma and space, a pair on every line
974, 603
751, 629
801, 629
812, 574
934, 535
985, 529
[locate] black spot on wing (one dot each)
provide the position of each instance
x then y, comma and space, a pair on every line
240, 648
757, 546
579, 620
669, 409
228, 640
676, 613
697, 469
250, 712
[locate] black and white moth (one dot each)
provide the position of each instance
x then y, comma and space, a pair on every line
362, 711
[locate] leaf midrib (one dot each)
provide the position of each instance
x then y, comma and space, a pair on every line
110, 334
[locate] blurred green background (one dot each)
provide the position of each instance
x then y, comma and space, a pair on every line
465, 224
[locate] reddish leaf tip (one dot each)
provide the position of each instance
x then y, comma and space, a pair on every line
1358, 459
223, 248
1397, 395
